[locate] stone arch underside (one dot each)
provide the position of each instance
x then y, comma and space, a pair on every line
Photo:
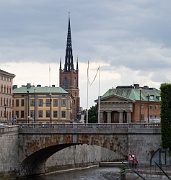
37, 149
35, 163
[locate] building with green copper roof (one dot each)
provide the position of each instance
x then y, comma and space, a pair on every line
37, 104
126, 104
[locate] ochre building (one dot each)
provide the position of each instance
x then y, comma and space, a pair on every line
41, 104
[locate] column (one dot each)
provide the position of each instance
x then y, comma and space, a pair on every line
128, 117
108, 117
120, 116
101, 118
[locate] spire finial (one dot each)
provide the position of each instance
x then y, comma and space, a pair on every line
69, 57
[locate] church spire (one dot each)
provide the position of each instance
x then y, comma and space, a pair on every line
69, 57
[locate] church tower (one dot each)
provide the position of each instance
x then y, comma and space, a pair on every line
69, 76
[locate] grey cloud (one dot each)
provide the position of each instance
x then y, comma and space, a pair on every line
101, 30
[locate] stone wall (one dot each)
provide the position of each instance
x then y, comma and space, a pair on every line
143, 143
79, 156
8, 150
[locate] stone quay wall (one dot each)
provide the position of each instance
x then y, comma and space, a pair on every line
8, 150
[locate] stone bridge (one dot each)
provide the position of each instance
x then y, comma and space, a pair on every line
38, 142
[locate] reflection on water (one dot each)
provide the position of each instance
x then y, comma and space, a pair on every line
108, 173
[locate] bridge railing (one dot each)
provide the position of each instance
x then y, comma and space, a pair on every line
92, 126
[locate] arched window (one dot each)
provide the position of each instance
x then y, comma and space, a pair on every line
75, 85
4, 102
7, 101
65, 83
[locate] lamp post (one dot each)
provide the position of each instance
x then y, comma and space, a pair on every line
28, 104
34, 105
148, 107
50, 108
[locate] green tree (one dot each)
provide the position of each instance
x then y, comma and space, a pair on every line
165, 116
92, 115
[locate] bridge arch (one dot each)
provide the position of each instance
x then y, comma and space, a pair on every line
34, 164
38, 142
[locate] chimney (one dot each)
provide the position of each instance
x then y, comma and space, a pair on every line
28, 85
14, 87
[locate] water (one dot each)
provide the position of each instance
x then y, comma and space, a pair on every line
98, 173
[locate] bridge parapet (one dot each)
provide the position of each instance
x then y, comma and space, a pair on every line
88, 128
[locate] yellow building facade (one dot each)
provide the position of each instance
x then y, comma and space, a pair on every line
41, 105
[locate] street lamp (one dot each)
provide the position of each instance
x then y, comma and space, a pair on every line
50, 108
28, 107
34, 105
148, 107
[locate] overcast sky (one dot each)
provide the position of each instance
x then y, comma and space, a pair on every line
128, 39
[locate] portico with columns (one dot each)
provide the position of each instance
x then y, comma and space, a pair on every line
116, 110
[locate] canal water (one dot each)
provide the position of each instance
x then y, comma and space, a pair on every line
97, 173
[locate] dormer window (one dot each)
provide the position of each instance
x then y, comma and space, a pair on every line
151, 97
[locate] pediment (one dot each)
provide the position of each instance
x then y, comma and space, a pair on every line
115, 98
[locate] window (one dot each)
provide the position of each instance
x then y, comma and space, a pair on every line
31, 102
142, 106
156, 107
47, 113
47, 102
4, 102
65, 83
63, 103
17, 102
40, 113
7, 102
22, 114
75, 83
17, 114
40, 102
63, 114
142, 116
55, 102
151, 107
151, 97
22, 102
55, 114
32, 113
